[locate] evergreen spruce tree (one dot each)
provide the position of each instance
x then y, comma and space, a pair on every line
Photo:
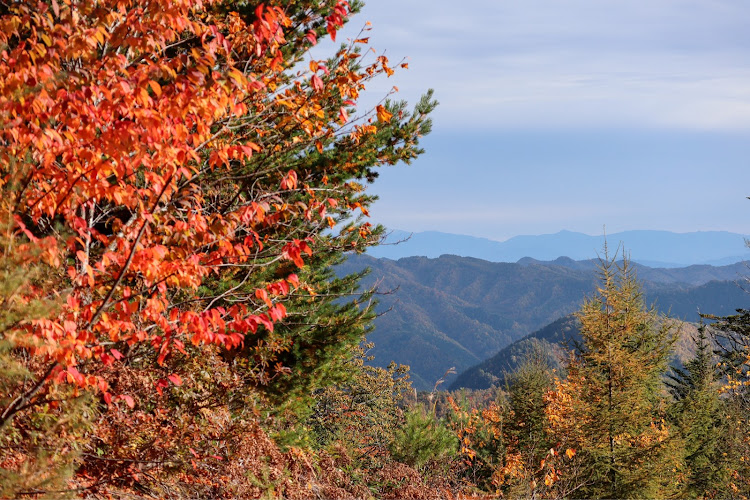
698, 413
731, 336
623, 450
423, 438
527, 421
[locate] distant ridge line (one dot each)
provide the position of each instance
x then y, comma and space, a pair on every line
654, 248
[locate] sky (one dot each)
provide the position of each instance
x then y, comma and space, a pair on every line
569, 115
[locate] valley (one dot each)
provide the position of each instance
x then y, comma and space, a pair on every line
457, 312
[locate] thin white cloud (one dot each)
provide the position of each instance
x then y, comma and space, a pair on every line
542, 63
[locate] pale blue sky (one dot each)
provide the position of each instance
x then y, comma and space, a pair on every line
570, 114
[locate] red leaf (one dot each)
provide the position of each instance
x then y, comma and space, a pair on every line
175, 379
263, 295
25, 231
317, 83
161, 384
331, 29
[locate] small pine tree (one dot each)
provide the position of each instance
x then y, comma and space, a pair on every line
698, 414
363, 412
422, 439
526, 430
527, 388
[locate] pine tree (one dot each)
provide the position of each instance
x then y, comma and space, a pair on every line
698, 413
731, 336
423, 438
526, 430
363, 412
621, 441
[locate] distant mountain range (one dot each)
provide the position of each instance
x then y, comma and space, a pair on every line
459, 311
652, 248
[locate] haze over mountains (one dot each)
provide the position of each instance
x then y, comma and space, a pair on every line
652, 248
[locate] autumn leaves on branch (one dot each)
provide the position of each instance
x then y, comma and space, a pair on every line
149, 149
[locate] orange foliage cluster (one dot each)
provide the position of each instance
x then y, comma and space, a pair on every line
123, 124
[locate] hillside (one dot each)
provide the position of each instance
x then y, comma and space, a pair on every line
697, 274
555, 341
459, 311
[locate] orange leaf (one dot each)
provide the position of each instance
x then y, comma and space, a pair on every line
155, 87
383, 114
290, 180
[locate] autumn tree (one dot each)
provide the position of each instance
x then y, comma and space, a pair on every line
609, 411
482, 447
186, 179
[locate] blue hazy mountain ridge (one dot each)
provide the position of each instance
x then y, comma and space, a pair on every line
652, 248
458, 311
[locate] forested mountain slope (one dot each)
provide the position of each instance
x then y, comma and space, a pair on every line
697, 274
553, 342
459, 311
